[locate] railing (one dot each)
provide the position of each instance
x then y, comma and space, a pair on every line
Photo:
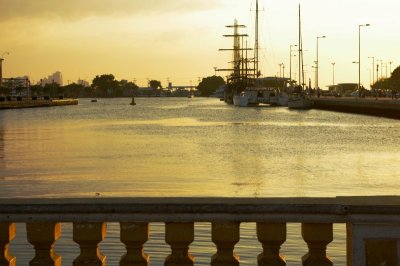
373, 227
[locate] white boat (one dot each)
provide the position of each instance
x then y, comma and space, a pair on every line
299, 99
241, 100
274, 100
283, 99
299, 102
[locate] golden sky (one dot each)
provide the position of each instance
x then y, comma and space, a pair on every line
179, 39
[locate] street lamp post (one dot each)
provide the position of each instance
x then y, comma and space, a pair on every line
381, 68
359, 56
280, 69
290, 64
373, 66
390, 68
1, 70
333, 68
316, 62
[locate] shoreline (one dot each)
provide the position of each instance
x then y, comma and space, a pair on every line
29, 103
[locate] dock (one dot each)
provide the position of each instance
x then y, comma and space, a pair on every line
370, 106
30, 103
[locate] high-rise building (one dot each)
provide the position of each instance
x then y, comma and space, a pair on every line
83, 83
54, 78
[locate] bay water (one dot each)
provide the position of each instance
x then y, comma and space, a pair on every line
193, 147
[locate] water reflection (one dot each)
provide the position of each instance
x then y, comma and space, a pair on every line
202, 147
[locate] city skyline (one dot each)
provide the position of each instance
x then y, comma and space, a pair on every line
144, 40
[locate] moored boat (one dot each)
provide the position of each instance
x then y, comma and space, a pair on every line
299, 101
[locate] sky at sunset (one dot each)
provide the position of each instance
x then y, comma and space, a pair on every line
179, 39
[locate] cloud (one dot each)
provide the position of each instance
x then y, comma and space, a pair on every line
78, 9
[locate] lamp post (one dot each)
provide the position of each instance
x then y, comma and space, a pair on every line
316, 62
373, 66
290, 64
381, 61
280, 69
359, 91
359, 55
1, 70
333, 68
390, 68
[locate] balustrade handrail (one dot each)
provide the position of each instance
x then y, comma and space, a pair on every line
101, 209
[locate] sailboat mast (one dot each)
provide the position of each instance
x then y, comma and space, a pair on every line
256, 44
300, 52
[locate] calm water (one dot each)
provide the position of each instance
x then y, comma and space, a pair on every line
195, 147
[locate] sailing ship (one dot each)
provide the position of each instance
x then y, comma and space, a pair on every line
298, 99
245, 87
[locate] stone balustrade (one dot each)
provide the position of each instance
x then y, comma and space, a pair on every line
373, 227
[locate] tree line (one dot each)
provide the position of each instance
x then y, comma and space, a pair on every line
107, 86
389, 84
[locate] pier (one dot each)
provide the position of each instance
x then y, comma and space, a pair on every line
31, 103
370, 106
373, 227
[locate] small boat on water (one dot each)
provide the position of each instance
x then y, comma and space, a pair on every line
94, 101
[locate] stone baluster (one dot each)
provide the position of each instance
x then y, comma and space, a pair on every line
88, 236
7, 233
225, 235
43, 236
272, 236
134, 235
317, 237
179, 236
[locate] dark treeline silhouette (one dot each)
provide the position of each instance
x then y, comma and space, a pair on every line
388, 86
106, 85
210, 85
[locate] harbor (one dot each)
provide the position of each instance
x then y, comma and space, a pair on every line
198, 148
194, 133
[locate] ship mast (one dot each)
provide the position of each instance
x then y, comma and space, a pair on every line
256, 45
301, 67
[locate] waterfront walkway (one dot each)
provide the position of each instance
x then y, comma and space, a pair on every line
372, 106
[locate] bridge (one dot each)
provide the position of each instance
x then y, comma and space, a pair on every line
373, 227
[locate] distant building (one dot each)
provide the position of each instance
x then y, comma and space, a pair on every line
84, 83
54, 78
343, 89
17, 86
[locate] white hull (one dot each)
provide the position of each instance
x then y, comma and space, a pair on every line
274, 100
241, 100
299, 103
283, 100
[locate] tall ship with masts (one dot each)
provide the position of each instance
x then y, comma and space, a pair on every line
245, 86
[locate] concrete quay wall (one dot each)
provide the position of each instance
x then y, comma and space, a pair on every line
28, 103
371, 106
